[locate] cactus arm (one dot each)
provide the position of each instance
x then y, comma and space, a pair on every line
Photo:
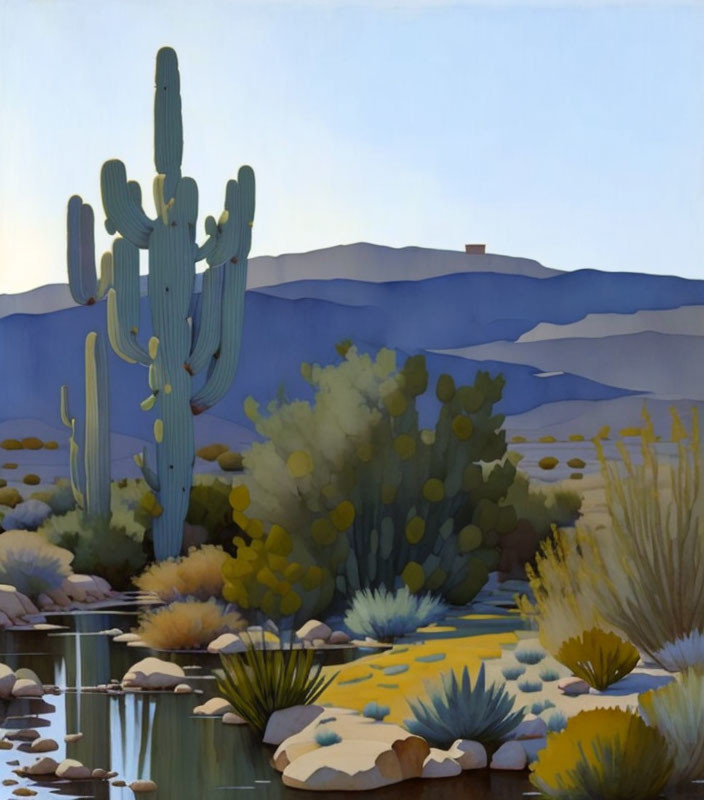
207, 321
140, 459
80, 252
96, 437
106, 275
124, 213
168, 125
207, 248
77, 478
123, 304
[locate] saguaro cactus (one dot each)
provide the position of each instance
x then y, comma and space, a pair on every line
90, 453
188, 339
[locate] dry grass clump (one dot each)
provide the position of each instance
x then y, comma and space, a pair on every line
199, 575
188, 624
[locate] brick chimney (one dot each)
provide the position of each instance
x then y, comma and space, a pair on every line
475, 249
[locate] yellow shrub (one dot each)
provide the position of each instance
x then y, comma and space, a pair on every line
188, 624
199, 574
598, 657
548, 462
604, 754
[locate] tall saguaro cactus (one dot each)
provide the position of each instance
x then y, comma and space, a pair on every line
90, 453
184, 344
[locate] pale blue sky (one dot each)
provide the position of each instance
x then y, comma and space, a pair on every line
571, 132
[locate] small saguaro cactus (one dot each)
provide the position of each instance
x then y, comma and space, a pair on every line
189, 337
89, 452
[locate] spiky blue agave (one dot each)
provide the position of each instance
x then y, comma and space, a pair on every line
386, 615
458, 710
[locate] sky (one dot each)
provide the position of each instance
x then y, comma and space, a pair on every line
567, 132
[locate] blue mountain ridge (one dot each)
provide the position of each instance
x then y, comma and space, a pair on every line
302, 321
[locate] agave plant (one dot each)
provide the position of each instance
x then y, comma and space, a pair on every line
599, 658
260, 681
603, 754
458, 710
386, 615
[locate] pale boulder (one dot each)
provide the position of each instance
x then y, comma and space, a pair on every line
7, 681
230, 718
183, 688
573, 686
71, 769
532, 727
127, 637
25, 687
215, 707
533, 747
42, 766
314, 629
153, 673
469, 754
439, 764
510, 756
227, 643
14, 605
287, 722
43, 746
339, 637
143, 786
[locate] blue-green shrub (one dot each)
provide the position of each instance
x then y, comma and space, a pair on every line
548, 674
385, 615
513, 673
326, 737
530, 686
529, 655
375, 711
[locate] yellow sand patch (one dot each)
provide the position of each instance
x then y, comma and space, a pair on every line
436, 629
483, 616
371, 684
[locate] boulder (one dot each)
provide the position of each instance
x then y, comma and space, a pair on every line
227, 643
7, 681
287, 722
153, 673
24, 735
25, 687
230, 718
533, 747
439, 764
99, 774
573, 686
532, 727
73, 737
183, 688
339, 637
469, 754
43, 746
42, 766
127, 637
347, 766
143, 786
60, 598
314, 629
510, 756
72, 770
14, 605
215, 707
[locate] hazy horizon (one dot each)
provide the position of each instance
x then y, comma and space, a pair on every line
564, 132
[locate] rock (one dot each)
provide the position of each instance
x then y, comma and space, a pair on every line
511, 755
230, 718
127, 637
7, 681
119, 783
573, 686
5, 621
287, 722
45, 603
143, 786
5, 745
532, 727
102, 586
314, 629
112, 632
215, 707
60, 598
339, 637
24, 791
183, 688
42, 766
153, 673
533, 747
71, 769
111, 774
99, 774
439, 764
73, 737
14, 604
227, 643
347, 766
24, 735
43, 746
75, 589
24, 687
469, 754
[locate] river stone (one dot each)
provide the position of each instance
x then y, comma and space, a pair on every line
71, 769
42, 766
287, 722
230, 718
73, 737
573, 686
227, 643
314, 629
439, 764
24, 687
510, 756
469, 754
99, 774
345, 766
14, 604
24, 735
143, 786
24, 791
153, 673
7, 681
532, 727
533, 747
43, 746
127, 637
215, 707
183, 688
339, 637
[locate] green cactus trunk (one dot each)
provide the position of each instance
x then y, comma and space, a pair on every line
181, 346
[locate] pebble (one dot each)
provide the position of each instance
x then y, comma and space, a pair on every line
73, 737
43, 746
183, 688
143, 786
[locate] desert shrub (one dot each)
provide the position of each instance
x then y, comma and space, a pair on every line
112, 548
230, 461
648, 574
31, 479
60, 498
598, 657
556, 722
576, 476
385, 615
324, 737
529, 655
549, 675
31, 443
375, 711
51, 445
458, 710
209, 508
3, 483
547, 439
576, 463
604, 754
530, 686
9, 496
677, 711
540, 706
31, 564
259, 681
11, 444
27, 515
349, 493
518, 439
10, 465
513, 673
576, 437
548, 462
197, 575
187, 624
210, 452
